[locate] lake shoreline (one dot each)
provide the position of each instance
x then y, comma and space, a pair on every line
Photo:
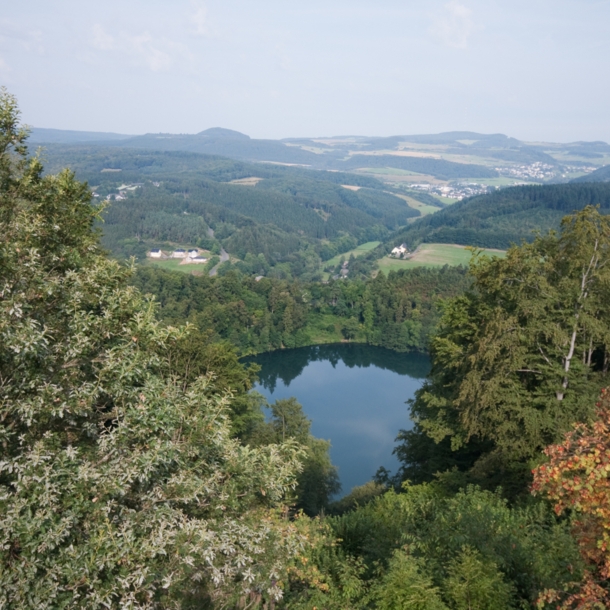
355, 396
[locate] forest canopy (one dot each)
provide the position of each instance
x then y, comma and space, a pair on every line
137, 470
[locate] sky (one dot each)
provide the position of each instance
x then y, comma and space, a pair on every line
536, 70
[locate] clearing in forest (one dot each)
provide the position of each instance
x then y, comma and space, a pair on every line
251, 181
434, 255
424, 208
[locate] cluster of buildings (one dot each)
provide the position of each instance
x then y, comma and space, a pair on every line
457, 190
534, 171
188, 257
343, 272
122, 191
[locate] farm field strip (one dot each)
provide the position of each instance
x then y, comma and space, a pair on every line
434, 255
424, 208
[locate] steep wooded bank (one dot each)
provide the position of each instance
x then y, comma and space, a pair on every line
517, 359
399, 311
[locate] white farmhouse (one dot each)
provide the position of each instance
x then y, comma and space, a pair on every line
400, 250
194, 260
179, 253
155, 253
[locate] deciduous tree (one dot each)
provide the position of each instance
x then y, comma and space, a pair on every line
121, 484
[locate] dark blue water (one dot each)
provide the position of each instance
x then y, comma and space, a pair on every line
355, 396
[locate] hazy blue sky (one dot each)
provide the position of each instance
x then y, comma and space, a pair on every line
533, 69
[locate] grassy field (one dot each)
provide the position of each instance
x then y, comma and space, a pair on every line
433, 255
424, 208
500, 181
387, 171
251, 181
173, 265
359, 251
445, 200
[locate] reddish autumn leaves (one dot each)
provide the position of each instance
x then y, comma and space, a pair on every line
577, 479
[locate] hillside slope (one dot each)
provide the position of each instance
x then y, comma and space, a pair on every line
599, 175
160, 199
504, 217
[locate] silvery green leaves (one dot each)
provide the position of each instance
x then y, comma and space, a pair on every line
119, 485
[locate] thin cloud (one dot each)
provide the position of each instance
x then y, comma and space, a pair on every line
199, 19
28, 40
142, 49
156, 59
101, 39
453, 26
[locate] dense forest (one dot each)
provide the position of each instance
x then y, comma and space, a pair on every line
399, 311
137, 470
285, 222
288, 215
506, 216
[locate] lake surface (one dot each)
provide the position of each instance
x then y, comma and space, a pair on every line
354, 395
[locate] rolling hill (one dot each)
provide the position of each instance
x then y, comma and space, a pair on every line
462, 155
504, 217
294, 217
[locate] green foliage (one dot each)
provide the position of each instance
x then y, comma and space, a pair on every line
505, 217
405, 587
121, 484
319, 480
523, 355
350, 328
475, 583
359, 496
398, 311
423, 548
425, 544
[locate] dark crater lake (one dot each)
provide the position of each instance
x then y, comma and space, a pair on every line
354, 395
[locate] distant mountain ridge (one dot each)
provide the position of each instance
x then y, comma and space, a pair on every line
42, 135
454, 155
221, 132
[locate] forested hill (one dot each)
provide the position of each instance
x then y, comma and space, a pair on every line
599, 175
309, 153
293, 216
506, 216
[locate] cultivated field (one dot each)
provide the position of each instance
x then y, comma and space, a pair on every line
433, 255
172, 264
424, 208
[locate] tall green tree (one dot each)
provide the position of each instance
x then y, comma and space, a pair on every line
121, 484
523, 354
319, 480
